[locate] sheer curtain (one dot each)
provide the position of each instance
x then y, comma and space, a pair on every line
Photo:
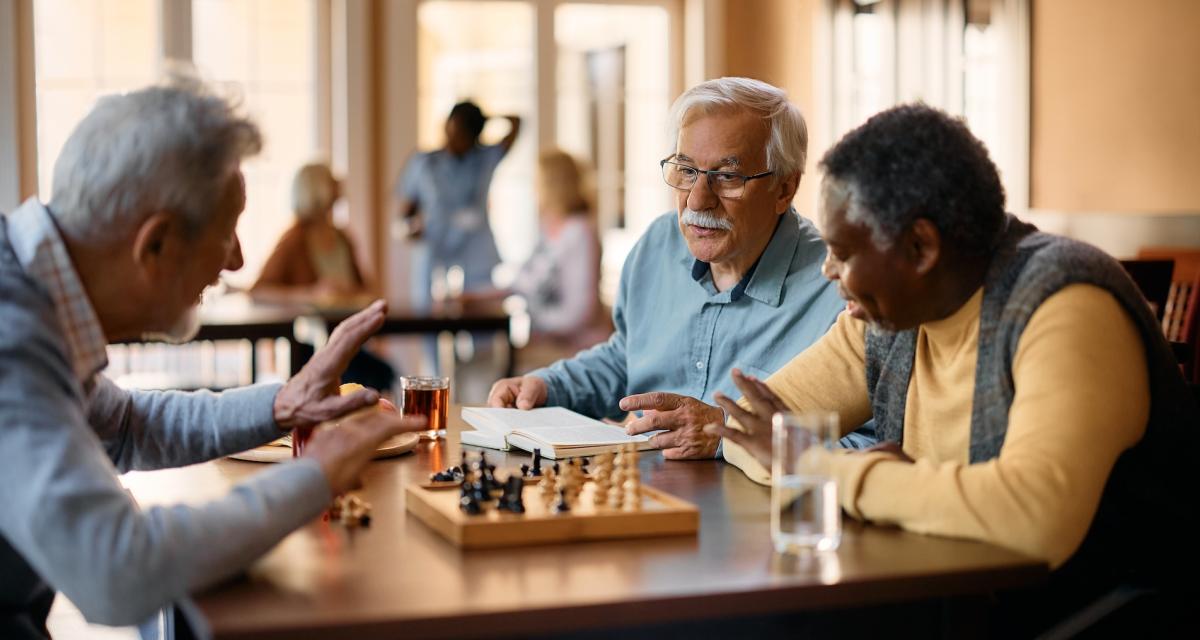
968, 57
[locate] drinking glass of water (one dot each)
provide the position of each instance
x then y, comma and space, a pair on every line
805, 513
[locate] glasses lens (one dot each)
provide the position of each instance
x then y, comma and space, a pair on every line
727, 185
678, 175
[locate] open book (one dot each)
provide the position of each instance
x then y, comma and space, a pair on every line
558, 432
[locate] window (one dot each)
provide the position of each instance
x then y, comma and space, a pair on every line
83, 50
611, 78
970, 58
264, 51
483, 51
613, 96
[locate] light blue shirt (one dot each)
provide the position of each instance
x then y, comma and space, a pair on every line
67, 524
451, 193
675, 332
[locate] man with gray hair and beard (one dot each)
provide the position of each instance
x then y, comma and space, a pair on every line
143, 217
719, 283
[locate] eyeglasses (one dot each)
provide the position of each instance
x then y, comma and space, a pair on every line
725, 184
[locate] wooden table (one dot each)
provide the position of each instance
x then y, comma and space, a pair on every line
398, 578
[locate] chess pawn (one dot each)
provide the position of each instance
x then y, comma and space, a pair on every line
575, 480
600, 480
562, 506
615, 491
632, 494
546, 486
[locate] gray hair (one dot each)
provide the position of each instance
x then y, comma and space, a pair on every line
314, 190
787, 145
913, 161
168, 148
842, 193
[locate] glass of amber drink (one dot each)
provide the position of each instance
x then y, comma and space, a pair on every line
427, 396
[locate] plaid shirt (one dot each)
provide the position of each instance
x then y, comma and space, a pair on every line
42, 254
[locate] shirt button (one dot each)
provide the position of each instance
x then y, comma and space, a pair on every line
699, 365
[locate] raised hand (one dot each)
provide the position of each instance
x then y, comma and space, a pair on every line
311, 396
755, 421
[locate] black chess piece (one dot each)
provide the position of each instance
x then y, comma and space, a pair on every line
469, 505
453, 474
525, 471
536, 471
490, 484
562, 506
468, 501
511, 500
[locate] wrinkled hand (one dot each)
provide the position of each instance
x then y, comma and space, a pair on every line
343, 451
755, 435
311, 396
682, 417
523, 392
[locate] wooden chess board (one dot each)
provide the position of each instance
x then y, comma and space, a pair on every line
660, 514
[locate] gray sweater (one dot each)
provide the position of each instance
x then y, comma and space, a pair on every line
67, 524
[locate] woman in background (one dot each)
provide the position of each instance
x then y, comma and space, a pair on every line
314, 260
314, 263
561, 279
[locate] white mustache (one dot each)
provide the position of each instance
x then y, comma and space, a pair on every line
706, 220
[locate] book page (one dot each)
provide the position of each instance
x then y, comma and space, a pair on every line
512, 419
586, 435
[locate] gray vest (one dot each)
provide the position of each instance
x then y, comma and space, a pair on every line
1029, 267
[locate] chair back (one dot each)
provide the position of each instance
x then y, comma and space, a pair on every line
1153, 277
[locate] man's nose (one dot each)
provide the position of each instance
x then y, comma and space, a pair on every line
234, 260
701, 196
828, 269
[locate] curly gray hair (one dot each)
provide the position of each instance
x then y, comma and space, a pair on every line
169, 148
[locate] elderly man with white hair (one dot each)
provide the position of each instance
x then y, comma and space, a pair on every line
143, 216
720, 283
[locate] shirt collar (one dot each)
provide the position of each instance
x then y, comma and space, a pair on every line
764, 281
42, 254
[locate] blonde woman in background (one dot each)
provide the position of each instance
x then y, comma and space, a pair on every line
314, 263
314, 260
561, 279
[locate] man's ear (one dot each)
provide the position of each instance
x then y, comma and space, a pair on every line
923, 246
150, 243
785, 190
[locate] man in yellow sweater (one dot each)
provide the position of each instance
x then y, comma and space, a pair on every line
1019, 383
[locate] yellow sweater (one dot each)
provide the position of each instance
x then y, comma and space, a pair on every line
1082, 397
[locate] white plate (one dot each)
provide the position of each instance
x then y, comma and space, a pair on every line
272, 452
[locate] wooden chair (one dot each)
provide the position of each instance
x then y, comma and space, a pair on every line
1179, 318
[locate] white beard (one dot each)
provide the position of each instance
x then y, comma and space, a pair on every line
185, 328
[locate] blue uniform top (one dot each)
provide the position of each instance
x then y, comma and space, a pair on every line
451, 193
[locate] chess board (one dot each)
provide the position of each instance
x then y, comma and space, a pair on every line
660, 514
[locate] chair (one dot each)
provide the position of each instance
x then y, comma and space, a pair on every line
1153, 277
1179, 318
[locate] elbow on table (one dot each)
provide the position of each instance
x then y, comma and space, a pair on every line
1048, 539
